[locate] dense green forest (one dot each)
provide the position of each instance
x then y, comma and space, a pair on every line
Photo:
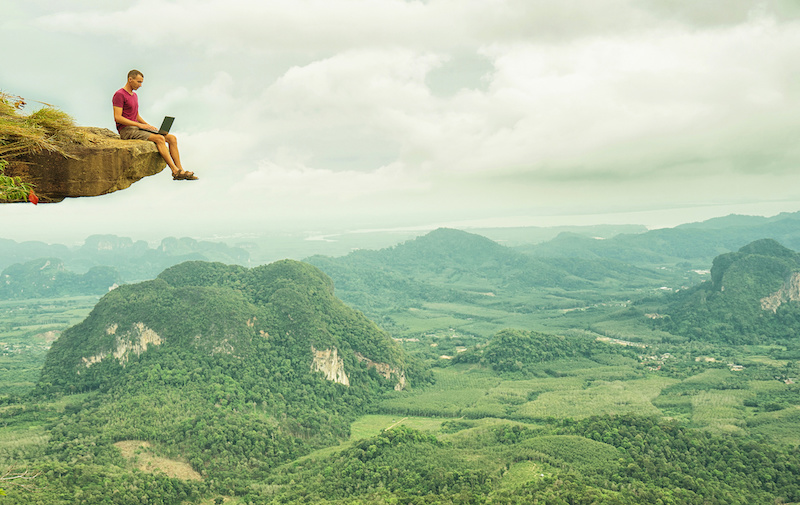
521, 353
606, 459
511, 379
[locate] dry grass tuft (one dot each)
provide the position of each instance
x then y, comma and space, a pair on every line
50, 119
47, 129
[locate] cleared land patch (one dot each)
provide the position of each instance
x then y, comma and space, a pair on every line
138, 453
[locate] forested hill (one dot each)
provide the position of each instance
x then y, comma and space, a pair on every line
753, 297
233, 370
697, 243
450, 265
276, 315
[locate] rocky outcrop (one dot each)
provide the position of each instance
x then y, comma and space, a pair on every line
134, 341
789, 292
331, 364
101, 163
389, 372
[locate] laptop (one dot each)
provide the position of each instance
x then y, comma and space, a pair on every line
165, 126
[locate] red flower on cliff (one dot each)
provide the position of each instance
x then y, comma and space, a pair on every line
33, 198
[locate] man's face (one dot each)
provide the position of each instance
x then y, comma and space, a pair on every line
136, 82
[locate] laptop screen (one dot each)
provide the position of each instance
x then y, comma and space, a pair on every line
166, 124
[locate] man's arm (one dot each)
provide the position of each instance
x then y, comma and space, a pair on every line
145, 123
127, 122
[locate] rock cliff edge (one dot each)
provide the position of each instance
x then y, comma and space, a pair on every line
100, 163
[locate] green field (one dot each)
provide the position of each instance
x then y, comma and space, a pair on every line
575, 388
27, 328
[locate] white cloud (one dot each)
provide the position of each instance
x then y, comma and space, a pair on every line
292, 182
606, 103
308, 104
220, 26
330, 26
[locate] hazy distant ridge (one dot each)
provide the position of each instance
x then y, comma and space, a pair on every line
697, 243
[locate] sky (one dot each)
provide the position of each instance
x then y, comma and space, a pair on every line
324, 115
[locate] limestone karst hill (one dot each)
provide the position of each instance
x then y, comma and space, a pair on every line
283, 316
229, 369
752, 297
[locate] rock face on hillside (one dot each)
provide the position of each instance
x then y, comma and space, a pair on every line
752, 298
331, 364
389, 372
134, 341
101, 164
789, 292
281, 319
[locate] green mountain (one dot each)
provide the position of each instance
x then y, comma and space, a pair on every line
751, 298
453, 265
210, 309
48, 278
137, 261
233, 369
620, 460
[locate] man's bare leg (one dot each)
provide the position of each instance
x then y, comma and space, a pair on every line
172, 142
168, 148
163, 150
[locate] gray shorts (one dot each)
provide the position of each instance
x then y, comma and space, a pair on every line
134, 133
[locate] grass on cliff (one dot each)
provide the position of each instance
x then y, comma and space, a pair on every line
47, 129
44, 130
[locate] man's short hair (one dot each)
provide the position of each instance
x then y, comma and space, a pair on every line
133, 74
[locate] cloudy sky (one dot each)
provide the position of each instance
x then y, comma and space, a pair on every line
361, 114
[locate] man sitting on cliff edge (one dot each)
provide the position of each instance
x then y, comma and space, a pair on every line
130, 125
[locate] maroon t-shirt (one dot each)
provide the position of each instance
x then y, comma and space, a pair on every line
129, 103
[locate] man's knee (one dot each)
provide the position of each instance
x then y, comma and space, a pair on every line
170, 138
158, 139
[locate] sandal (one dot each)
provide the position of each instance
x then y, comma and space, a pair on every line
184, 176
